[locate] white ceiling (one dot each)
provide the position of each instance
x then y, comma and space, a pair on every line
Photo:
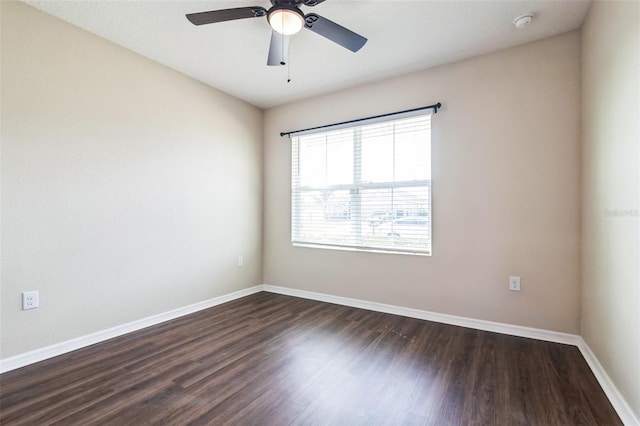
404, 36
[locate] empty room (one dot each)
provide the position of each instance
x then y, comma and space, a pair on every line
327, 212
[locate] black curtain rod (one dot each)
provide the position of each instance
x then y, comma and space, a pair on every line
434, 107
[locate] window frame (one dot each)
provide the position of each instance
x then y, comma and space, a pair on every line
355, 189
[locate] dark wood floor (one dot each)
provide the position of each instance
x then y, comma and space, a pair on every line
271, 359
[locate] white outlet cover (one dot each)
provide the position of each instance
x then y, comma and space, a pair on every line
30, 300
514, 283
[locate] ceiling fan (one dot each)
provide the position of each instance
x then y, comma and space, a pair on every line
285, 18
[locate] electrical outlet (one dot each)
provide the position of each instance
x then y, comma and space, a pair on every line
30, 300
514, 283
240, 261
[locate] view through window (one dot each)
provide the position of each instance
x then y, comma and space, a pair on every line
366, 187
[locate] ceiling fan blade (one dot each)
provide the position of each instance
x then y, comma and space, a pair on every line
278, 49
334, 32
311, 3
226, 15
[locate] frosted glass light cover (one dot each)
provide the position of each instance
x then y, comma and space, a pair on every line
286, 21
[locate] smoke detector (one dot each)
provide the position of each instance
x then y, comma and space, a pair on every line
523, 21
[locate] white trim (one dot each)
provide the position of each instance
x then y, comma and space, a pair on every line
496, 327
621, 406
619, 403
615, 397
47, 352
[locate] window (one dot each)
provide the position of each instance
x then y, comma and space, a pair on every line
364, 188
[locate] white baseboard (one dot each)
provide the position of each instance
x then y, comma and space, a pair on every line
47, 352
617, 400
497, 327
621, 406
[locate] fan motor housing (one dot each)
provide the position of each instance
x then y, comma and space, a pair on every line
289, 4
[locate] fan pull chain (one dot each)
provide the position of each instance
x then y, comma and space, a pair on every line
282, 52
289, 65
282, 58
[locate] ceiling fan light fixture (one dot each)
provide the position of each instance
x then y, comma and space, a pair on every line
285, 20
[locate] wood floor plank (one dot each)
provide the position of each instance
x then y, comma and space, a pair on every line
277, 360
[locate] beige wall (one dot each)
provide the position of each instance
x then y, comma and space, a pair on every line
128, 189
611, 192
505, 190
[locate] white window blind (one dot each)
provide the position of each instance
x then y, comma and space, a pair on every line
366, 187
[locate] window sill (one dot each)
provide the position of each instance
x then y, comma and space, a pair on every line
362, 250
